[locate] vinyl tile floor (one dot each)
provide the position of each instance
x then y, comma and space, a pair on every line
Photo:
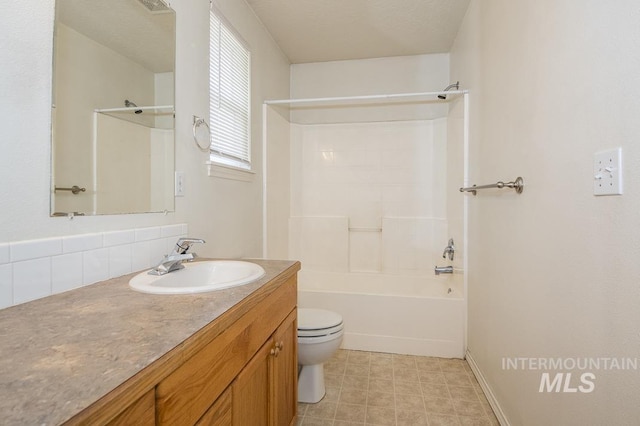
371, 388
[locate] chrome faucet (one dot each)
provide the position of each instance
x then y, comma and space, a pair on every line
449, 249
173, 261
443, 270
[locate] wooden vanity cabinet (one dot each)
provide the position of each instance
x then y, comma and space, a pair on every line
141, 412
240, 369
284, 373
246, 375
264, 393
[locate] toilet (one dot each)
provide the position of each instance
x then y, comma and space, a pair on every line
319, 337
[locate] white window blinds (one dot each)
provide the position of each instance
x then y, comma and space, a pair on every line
228, 96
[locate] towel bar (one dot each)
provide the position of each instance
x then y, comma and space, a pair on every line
518, 185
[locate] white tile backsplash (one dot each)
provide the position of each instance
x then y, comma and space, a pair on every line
31, 279
6, 286
172, 230
120, 260
78, 243
35, 249
4, 253
38, 268
146, 234
66, 272
95, 266
117, 238
157, 249
141, 256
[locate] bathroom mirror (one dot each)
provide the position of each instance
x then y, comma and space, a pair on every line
112, 115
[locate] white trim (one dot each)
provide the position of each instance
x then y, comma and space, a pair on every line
264, 180
226, 172
493, 402
143, 108
363, 98
465, 218
401, 345
94, 172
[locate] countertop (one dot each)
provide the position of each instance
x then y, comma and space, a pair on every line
61, 354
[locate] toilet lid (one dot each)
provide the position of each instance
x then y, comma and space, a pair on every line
317, 319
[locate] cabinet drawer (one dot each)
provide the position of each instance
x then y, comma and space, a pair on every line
186, 394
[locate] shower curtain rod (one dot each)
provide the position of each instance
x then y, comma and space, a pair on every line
147, 108
363, 98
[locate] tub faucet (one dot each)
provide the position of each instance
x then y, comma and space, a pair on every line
443, 270
449, 249
173, 261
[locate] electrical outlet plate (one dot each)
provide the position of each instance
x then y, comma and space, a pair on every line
179, 184
607, 172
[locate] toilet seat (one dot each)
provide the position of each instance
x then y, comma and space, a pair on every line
318, 323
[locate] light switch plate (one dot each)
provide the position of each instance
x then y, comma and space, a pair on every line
607, 172
179, 186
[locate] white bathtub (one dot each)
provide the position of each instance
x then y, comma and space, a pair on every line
391, 313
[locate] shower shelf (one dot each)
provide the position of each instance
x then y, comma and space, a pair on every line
365, 229
168, 108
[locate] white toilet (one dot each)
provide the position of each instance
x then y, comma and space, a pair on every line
319, 337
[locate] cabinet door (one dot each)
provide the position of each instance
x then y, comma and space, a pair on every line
284, 372
251, 390
220, 412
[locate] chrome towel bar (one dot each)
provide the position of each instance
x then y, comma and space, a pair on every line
518, 185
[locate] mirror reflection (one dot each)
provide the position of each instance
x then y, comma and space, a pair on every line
112, 112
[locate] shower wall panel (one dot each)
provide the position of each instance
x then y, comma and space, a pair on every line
386, 179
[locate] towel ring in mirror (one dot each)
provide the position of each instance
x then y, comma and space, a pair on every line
197, 122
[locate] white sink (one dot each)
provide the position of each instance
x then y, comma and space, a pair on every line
199, 277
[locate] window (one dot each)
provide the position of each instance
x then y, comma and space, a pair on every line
228, 96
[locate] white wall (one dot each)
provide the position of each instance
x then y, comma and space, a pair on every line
400, 74
226, 213
553, 272
278, 195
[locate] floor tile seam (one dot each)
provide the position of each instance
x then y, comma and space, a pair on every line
460, 399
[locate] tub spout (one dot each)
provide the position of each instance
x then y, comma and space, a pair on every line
443, 270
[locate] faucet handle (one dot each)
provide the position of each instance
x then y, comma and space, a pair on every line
184, 244
449, 249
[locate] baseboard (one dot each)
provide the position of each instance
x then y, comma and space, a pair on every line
495, 406
402, 345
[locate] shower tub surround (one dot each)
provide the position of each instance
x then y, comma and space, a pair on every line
368, 223
34, 269
402, 314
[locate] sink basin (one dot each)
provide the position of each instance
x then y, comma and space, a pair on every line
199, 277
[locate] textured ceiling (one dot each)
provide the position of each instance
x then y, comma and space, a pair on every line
329, 30
125, 26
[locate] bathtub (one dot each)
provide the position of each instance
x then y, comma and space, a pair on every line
414, 315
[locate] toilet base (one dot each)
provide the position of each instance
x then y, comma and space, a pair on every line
311, 383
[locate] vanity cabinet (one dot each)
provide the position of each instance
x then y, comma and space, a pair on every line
218, 358
141, 412
246, 375
264, 393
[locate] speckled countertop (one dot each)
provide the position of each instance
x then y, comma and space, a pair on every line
60, 354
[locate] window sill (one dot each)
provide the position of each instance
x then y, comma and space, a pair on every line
228, 172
